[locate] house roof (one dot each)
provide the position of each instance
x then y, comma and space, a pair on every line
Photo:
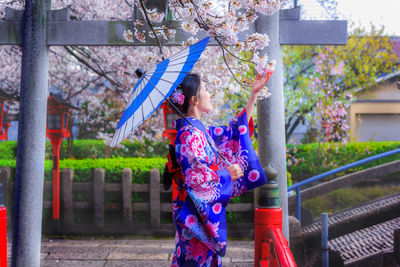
6, 96
62, 101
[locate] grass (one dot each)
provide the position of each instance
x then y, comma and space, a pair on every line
345, 198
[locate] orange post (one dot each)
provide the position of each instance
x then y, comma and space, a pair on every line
271, 249
56, 145
265, 219
3, 232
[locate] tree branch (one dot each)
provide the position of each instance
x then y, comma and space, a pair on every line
84, 62
229, 68
152, 28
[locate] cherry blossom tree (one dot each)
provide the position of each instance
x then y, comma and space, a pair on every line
99, 79
321, 81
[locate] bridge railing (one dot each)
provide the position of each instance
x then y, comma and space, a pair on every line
278, 253
297, 186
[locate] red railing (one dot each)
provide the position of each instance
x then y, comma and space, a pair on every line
3, 231
271, 247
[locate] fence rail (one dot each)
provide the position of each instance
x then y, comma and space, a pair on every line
297, 186
127, 209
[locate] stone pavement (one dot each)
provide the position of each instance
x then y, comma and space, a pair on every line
128, 251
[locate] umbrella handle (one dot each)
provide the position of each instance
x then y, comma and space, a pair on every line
219, 153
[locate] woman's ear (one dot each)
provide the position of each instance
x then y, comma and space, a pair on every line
193, 100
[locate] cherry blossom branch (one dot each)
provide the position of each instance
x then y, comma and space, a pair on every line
233, 55
152, 28
230, 70
70, 95
84, 62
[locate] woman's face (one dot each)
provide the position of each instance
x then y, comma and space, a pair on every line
204, 101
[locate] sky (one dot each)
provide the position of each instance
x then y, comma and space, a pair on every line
362, 12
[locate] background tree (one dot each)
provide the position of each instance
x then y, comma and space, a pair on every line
99, 79
321, 81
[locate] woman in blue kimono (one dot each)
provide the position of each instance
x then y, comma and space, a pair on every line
207, 182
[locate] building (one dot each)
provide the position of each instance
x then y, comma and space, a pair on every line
375, 115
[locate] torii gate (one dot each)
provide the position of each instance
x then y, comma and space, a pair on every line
38, 27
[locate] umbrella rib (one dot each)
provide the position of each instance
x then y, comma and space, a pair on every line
141, 100
119, 132
133, 115
170, 71
151, 101
186, 119
165, 80
192, 61
166, 98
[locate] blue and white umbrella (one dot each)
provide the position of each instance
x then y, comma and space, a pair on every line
154, 87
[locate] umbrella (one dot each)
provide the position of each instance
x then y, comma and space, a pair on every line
154, 87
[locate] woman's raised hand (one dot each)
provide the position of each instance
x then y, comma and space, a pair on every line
260, 82
235, 171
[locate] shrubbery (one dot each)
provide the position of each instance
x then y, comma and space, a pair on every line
304, 161
95, 149
83, 168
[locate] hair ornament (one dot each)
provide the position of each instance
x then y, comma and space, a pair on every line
177, 97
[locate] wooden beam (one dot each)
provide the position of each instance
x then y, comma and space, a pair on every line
313, 32
62, 31
110, 33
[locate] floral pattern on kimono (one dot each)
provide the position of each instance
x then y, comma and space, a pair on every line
199, 209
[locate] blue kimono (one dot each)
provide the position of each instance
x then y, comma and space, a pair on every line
206, 187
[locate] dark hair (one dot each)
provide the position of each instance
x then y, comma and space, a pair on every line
190, 86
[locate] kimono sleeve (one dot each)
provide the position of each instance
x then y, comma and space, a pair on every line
203, 212
242, 152
221, 134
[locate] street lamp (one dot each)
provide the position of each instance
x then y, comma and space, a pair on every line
56, 130
169, 119
5, 117
170, 132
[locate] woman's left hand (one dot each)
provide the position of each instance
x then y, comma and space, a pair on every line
256, 88
260, 82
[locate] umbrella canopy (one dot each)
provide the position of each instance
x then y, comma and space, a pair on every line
154, 87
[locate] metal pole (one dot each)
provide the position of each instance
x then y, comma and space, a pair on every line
298, 204
28, 199
324, 240
271, 115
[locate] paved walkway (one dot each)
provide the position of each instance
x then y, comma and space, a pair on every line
87, 252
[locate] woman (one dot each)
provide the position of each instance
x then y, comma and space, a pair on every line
208, 182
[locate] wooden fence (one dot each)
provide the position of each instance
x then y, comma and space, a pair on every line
126, 208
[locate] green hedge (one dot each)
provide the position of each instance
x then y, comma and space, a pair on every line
8, 150
83, 169
304, 162
96, 149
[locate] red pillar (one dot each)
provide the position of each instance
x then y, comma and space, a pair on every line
265, 219
1, 121
3, 233
56, 145
6, 125
3, 236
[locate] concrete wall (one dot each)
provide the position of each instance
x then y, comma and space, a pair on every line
376, 114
